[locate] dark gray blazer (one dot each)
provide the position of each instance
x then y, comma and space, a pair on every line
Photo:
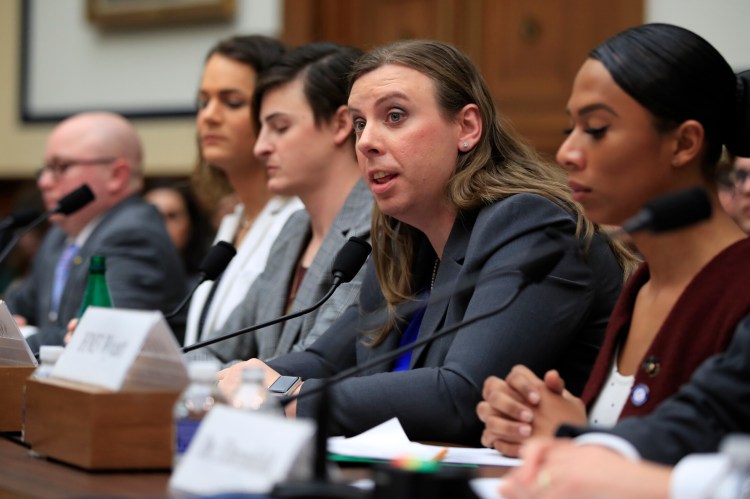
144, 271
267, 297
714, 403
558, 323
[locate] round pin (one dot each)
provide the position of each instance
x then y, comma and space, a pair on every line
639, 395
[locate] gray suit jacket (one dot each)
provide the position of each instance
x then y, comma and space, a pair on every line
144, 271
558, 323
714, 403
267, 297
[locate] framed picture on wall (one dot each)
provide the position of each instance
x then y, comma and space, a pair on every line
128, 13
69, 64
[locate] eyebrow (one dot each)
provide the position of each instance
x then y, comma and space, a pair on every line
594, 107
273, 116
225, 91
397, 94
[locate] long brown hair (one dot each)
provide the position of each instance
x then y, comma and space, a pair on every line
500, 165
209, 183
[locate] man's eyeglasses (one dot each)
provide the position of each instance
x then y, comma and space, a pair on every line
58, 168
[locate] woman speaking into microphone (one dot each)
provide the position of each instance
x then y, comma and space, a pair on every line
458, 196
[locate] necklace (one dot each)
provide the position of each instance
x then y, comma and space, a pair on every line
434, 273
247, 222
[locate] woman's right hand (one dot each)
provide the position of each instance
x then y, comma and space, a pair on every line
523, 405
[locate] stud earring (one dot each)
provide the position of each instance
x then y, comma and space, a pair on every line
465, 145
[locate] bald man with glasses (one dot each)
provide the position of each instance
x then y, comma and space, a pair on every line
143, 268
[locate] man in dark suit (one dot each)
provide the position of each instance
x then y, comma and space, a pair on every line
143, 268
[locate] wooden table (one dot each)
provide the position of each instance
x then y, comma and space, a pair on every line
23, 475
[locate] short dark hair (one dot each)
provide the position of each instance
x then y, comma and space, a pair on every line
258, 51
677, 76
324, 68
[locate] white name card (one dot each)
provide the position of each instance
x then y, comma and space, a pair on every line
242, 451
123, 349
14, 351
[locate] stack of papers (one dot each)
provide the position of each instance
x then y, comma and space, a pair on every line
14, 351
389, 441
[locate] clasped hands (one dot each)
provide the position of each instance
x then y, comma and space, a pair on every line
523, 405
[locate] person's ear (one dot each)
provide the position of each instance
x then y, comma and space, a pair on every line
469, 120
689, 142
119, 175
342, 125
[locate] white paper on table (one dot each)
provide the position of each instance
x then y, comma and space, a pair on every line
389, 441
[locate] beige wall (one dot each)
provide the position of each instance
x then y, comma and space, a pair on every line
168, 143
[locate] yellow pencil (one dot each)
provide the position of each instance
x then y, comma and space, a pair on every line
440, 456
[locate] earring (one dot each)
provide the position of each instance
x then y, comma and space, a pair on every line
465, 145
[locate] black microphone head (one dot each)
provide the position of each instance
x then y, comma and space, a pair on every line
216, 260
679, 209
22, 217
74, 200
350, 259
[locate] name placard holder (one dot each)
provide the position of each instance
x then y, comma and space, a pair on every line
122, 349
108, 403
16, 364
241, 451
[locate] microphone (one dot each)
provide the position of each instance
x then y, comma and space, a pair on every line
533, 269
73, 201
19, 219
211, 267
70, 203
347, 263
669, 212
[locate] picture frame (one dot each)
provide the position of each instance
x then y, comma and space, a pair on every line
143, 13
68, 65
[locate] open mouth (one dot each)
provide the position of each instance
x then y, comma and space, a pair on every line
382, 177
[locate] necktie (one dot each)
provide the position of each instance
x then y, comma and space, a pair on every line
62, 270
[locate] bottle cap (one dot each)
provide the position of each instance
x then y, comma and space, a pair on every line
203, 370
49, 354
97, 264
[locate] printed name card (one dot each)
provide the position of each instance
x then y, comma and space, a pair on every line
242, 451
122, 349
14, 351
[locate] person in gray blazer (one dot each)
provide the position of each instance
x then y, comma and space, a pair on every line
306, 143
143, 268
458, 198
